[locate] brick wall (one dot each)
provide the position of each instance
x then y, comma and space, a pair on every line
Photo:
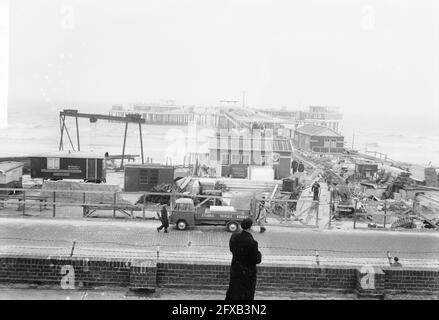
306, 278
270, 277
200, 275
400, 280
147, 274
66, 271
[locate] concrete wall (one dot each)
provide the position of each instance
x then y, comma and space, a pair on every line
148, 274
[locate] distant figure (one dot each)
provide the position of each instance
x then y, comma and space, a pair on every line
294, 166
262, 217
316, 191
243, 270
396, 263
328, 181
164, 219
334, 197
301, 167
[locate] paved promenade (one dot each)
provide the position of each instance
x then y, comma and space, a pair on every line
129, 239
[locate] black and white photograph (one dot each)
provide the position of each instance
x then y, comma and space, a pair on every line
219, 155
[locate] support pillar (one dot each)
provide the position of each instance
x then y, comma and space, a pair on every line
124, 144
141, 143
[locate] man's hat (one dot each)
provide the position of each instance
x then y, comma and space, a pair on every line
246, 223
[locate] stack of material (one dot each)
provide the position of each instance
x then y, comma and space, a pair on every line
241, 201
183, 183
404, 178
220, 186
245, 185
64, 192
431, 177
162, 199
400, 207
404, 222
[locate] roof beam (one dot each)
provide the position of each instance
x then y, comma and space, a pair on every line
130, 118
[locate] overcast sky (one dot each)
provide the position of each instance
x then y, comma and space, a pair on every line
379, 55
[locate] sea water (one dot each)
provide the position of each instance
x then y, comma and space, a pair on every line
33, 131
409, 138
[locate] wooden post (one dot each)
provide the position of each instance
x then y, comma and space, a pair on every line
114, 205
385, 212
285, 211
77, 134
317, 213
24, 202
355, 214
54, 199
61, 124
83, 198
144, 205
141, 142
124, 144
330, 207
70, 139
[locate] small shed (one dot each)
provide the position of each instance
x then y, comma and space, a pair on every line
366, 170
75, 165
146, 176
11, 175
319, 139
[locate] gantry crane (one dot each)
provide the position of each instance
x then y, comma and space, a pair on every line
129, 118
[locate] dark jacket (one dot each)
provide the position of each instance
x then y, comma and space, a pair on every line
164, 217
243, 269
294, 165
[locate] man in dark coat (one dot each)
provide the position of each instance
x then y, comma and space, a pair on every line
243, 270
301, 167
316, 191
294, 165
164, 219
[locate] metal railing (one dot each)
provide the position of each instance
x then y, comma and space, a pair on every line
47, 199
211, 253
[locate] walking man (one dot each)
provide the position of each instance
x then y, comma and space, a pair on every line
243, 270
301, 167
164, 219
316, 191
262, 217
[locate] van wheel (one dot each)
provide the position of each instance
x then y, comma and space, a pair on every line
232, 226
181, 225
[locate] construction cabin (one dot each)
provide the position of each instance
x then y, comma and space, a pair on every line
11, 175
318, 139
238, 155
69, 165
366, 170
146, 176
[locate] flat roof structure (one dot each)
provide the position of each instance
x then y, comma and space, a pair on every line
312, 130
70, 154
9, 165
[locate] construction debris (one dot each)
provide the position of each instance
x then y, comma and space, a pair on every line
159, 198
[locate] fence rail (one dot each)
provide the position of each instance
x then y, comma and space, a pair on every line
211, 253
53, 199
